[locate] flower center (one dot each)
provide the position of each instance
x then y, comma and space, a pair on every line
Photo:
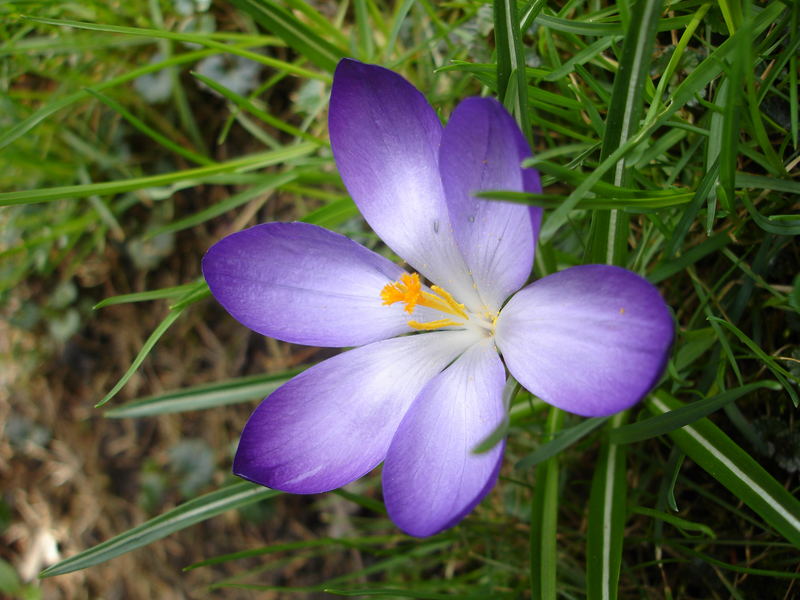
408, 290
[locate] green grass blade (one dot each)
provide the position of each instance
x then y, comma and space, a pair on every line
325, 27
296, 34
196, 175
602, 188
760, 182
589, 53
334, 214
737, 568
361, 543
149, 131
400, 593
753, 83
529, 13
495, 437
148, 345
687, 218
786, 378
609, 238
556, 219
25, 125
400, 12
170, 292
180, 517
425, 551
673, 470
713, 150
249, 106
193, 293
199, 293
778, 224
671, 267
682, 524
731, 125
372, 505
728, 463
202, 40
563, 439
732, 14
685, 415
607, 501
43, 46
794, 67
268, 184
77, 225
511, 63
544, 520
642, 202
201, 397
712, 66
585, 28
674, 61
579, 27
366, 45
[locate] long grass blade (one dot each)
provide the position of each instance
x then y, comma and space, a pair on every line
685, 415
361, 543
148, 345
196, 175
170, 292
296, 34
249, 106
202, 397
544, 519
728, 463
149, 131
564, 439
267, 184
194, 511
511, 63
608, 240
607, 503
202, 40
25, 125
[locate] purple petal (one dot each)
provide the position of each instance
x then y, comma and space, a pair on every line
304, 284
431, 477
334, 422
482, 148
385, 138
592, 340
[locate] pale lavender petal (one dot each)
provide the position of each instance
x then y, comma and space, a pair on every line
385, 139
304, 284
592, 340
431, 477
482, 149
334, 422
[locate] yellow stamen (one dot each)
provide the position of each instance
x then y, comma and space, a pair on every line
433, 324
451, 302
408, 289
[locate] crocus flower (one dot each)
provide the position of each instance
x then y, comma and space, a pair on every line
423, 385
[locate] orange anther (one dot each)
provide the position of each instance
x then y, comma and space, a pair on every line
407, 289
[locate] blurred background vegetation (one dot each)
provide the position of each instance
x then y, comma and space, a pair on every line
133, 135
